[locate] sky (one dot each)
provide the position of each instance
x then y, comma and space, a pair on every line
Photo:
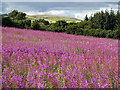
76, 10
60, 0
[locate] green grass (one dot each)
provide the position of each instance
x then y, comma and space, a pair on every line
53, 18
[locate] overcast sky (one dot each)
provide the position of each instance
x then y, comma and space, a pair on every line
59, 0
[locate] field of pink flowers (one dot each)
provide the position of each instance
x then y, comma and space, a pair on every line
41, 59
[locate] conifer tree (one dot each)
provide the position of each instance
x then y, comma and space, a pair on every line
86, 18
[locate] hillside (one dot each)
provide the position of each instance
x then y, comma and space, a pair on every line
42, 59
53, 18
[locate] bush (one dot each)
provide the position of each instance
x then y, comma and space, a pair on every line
102, 33
35, 25
109, 34
6, 21
116, 34
97, 33
17, 15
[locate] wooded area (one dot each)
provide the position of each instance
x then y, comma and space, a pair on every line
101, 24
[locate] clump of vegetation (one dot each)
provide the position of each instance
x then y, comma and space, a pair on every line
17, 15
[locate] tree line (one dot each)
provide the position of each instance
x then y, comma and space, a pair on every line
101, 24
19, 20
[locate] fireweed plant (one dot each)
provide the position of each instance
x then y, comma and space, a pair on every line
42, 59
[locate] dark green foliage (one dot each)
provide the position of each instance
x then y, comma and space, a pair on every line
13, 14
60, 23
35, 25
116, 34
22, 23
6, 21
86, 32
87, 28
59, 26
103, 33
118, 20
17, 15
106, 20
43, 21
113, 20
20, 16
86, 18
82, 24
27, 24
97, 33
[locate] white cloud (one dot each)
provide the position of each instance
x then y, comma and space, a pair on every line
56, 12
84, 13
52, 12
33, 13
91, 12
105, 8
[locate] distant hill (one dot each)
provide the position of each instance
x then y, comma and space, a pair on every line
53, 18
5, 14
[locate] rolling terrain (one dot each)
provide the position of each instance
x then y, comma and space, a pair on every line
42, 59
53, 18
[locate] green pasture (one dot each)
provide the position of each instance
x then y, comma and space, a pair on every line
53, 18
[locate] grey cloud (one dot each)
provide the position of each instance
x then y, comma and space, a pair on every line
60, 1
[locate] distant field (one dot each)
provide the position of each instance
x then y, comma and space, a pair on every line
53, 18
42, 59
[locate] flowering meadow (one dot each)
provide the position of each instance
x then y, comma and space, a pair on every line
41, 59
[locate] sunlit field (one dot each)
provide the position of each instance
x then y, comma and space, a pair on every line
42, 59
53, 18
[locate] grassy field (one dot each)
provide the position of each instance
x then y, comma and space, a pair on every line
42, 59
53, 18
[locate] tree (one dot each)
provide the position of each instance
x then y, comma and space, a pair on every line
43, 21
86, 18
59, 26
101, 20
102, 33
20, 16
97, 32
35, 25
13, 14
112, 18
118, 19
17, 15
6, 21
116, 33
60, 23
82, 24
27, 24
